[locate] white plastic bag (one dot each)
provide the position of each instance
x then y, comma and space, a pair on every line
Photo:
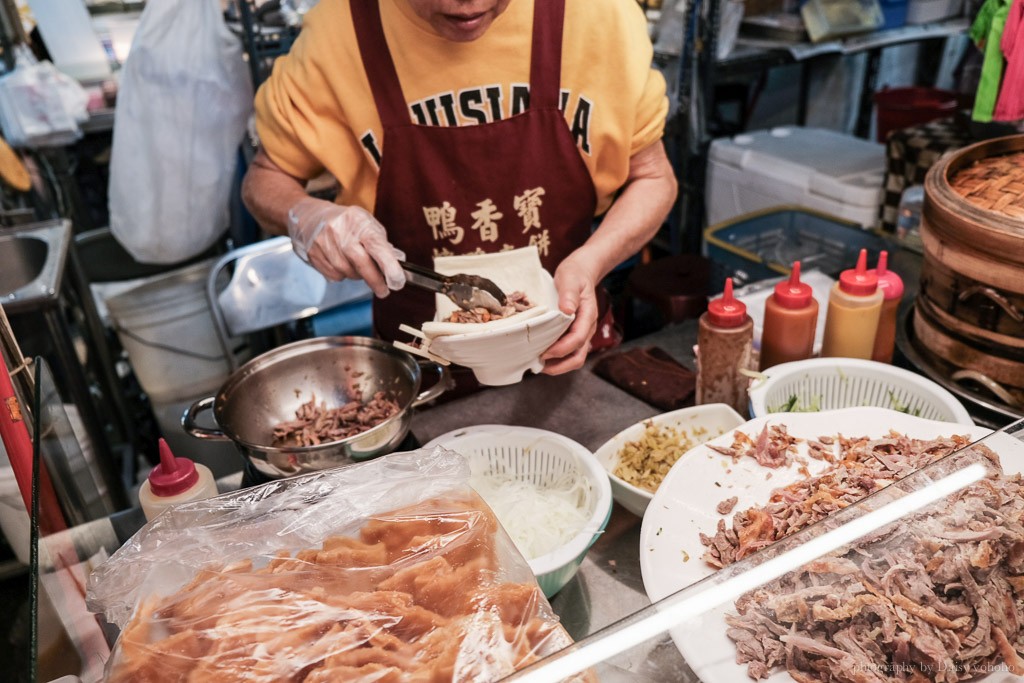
39, 105
183, 104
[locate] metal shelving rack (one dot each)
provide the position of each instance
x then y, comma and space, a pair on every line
264, 41
695, 91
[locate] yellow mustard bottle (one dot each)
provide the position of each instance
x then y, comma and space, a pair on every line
854, 307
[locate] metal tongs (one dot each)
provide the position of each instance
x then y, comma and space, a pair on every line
467, 291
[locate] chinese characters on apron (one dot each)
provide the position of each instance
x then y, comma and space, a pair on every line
500, 184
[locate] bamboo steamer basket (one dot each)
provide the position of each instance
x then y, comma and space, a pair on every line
970, 309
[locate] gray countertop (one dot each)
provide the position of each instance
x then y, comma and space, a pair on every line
579, 405
587, 409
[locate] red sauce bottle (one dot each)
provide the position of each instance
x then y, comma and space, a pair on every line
725, 345
790, 320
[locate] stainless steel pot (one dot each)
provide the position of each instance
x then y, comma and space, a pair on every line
268, 389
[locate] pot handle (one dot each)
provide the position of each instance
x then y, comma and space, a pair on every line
443, 383
188, 421
987, 382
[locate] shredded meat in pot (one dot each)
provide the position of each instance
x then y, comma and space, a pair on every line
315, 424
514, 303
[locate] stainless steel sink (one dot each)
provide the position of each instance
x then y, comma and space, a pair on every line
32, 261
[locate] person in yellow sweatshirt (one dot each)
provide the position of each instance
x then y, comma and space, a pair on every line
466, 126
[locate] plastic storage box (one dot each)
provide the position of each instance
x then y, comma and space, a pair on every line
827, 19
818, 169
927, 11
764, 244
894, 13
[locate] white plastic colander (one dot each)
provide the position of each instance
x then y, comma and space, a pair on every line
832, 383
538, 456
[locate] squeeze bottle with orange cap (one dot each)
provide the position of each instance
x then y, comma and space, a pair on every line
854, 306
891, 285
790, 320
724, 347
173, 481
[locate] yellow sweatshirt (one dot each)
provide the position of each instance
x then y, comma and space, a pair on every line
316, 111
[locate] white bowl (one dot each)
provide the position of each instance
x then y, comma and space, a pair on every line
538, 455
714, 419
833, 383
501, 351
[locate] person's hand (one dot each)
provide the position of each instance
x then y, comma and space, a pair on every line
345, 242
576, 296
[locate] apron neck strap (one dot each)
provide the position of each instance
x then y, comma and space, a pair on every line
377, 62
545, 58
546, 55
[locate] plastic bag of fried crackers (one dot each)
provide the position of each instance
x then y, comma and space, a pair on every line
390, 570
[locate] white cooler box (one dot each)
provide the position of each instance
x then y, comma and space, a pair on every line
819, 169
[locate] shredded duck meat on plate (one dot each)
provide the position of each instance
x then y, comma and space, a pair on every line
316, 424
936, 597
774, 447
864, 466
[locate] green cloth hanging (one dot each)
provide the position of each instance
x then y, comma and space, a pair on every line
987, 32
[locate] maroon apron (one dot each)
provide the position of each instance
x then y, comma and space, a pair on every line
477, 188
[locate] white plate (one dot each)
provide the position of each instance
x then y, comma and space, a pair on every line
499, 352
685, 505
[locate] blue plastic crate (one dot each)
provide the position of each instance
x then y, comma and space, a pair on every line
762, 245
894, 12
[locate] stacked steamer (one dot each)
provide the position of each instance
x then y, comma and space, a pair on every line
970, 310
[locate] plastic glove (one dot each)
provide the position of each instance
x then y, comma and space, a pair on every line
345, 242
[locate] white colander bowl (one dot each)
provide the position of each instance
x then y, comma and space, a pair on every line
832, 383
539, 456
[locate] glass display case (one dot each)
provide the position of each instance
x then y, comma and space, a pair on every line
921, 581
896, 556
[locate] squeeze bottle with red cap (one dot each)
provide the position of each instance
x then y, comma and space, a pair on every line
173, 481
790, 320
854, 306
724, 347
891, 285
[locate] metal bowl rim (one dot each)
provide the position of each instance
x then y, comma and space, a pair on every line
297, 348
